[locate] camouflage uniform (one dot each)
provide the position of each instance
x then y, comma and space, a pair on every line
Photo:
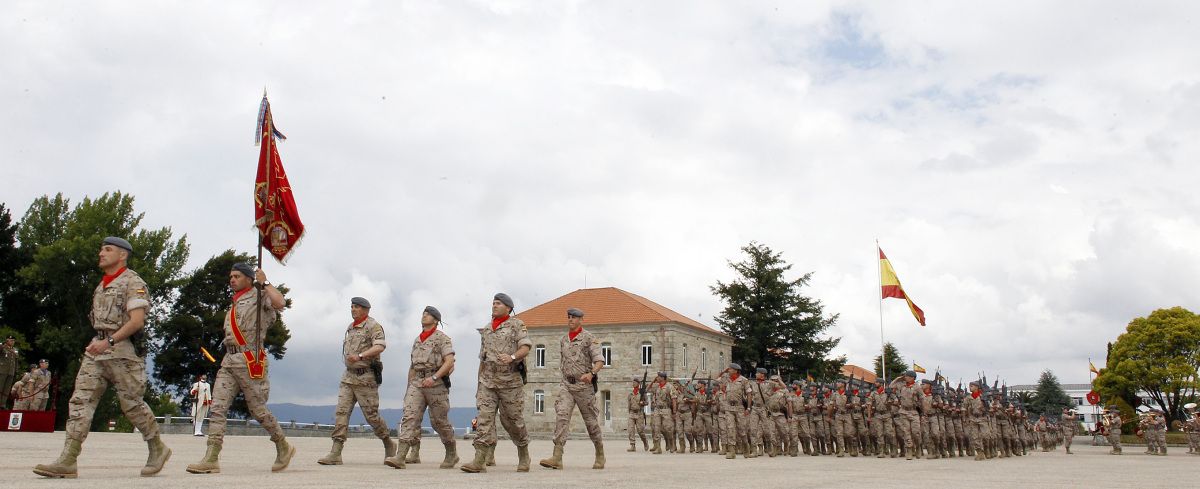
500, 387
234, 375
843, 424
33, 390
685, 419
705, 427
800, 425
930, 429
662, 423
885, 433
427, 357
577, 359
358, 381
818, 434
861, 433
975, 422
908, 419
122, 366
761, 427
1114, 432
637, 419
733, 411
777, 409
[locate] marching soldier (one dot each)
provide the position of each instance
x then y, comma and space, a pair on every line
1040, 428
663, 403
362, 345
706, 436
119, 306
1191, 427
504, 345
816, 419
431, 363
975, 419
777, 409
1112, 422
579, 362
799, 418
201, 402
908, 417
760, 425
879, 410
685, 419
8, 368
637, 416
859, 435
244, 368
843, 427
929, 425
736, 414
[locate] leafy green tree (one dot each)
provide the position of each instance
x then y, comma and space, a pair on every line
198, 320
772, 323
895, 363
62, 275
1158, 354
1049, 399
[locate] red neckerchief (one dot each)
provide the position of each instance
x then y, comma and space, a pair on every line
881, 390
572, 334
827, 394
855, 392
635, 390
426, 334
702, 391
662, 384
238, 295
496, 322
760, 380
799, 392
909, 383
975, 395
842, 391
360, 321
109, 278
733, 376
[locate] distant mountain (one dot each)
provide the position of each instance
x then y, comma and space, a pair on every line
285, 412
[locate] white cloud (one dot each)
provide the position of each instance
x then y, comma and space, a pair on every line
442, 152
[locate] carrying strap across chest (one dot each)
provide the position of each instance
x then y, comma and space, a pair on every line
253, 363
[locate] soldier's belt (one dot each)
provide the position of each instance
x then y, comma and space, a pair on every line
235, 349
571, 379
359, 371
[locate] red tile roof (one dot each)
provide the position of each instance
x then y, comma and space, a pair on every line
859, 373
608, 306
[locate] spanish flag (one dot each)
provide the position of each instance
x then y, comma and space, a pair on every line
918, 369
1092, 367
890, 287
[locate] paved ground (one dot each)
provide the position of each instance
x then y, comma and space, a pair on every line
112, 461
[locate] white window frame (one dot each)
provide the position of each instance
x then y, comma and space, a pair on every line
647, 354
539, 402
704, 359
539, 356
606, 352
685, 358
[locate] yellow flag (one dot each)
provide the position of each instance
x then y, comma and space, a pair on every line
1092, 367
918, 369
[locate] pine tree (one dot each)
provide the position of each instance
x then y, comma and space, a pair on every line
1050, 398
772, 323
895, 363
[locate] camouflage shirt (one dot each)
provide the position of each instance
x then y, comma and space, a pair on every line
427, 356
501, 342
111, 305
243, 313
578, 357
360, 338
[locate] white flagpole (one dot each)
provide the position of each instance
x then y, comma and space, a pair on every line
879, 292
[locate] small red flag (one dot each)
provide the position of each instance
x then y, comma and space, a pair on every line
275, 213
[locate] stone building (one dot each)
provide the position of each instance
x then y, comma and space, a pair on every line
636, 334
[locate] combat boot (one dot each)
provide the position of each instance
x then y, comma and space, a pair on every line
209, 464
730, 452
480, 462
64, 467
555, 461
632, 447
491, 456
284, 452
979, 455
389, 448
657, 448
599, 463
335, 454
396, 461
414, 453
159, 454
645, 444
523, 458
451, 456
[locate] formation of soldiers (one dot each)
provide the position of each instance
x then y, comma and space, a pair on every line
734, 415
731, 415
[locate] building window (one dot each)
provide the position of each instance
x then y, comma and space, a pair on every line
539, 356
684, 362
704, 359
607, 406
606, 352
647, 354
539, 402
721, 358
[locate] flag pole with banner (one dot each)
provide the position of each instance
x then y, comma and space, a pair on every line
882, 341
275, 215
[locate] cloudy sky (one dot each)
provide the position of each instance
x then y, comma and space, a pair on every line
1025, 166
